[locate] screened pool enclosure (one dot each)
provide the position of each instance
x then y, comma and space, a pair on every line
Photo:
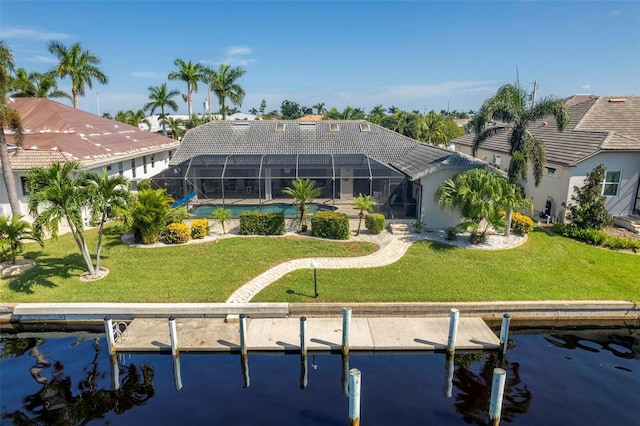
262, 177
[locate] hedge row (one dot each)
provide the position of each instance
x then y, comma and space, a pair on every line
597, 238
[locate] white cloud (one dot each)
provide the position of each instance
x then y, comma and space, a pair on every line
45, 59
616, 12
234, 56
585, 86
146, 74
17, 32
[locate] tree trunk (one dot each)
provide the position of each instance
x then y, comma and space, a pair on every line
100, 233
507, 228
78, 236
75, 97
7, 174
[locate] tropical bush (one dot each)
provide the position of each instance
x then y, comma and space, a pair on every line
260, 223
374, 222
417, 227
331, 225
177, 233
521, 224
596, 237
222, 215
451, 233
13, 232
148, 215
199, 229
587, 209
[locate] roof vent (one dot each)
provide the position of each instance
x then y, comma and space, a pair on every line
241, 123
364, 127
307, 123
617, 100
280, 127
333, 127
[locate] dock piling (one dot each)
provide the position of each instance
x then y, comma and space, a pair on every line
497, 390
453, 330
303, 336
243, 334
504, 334
173, 334
108, 331
354, 397
346, 330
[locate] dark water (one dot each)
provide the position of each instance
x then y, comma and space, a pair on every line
586, 378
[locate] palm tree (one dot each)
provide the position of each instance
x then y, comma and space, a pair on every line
191, 74
510, 107
133, 118
431, 128
223, 83
10, 120
79, 65
176, 125
13, 232
161, 98
364, 203
104, 194
377, 114
36, 85
303, 191
319, 107
480, 196
55, 194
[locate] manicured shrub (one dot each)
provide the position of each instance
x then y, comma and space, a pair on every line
177, 233
374, 222
331, 225
260, 223
596, 238
199, 229
521, 224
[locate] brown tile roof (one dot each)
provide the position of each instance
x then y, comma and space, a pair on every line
79, 135
311, 117
595, 125
26, 159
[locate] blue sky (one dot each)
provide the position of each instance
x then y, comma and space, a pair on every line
415, 55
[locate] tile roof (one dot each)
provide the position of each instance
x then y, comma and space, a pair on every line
79, 135
596, 125
26, 159
299, 137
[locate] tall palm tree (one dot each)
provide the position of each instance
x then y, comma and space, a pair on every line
319, 107
10, 120
79, 65
511, 108
36, 85
364, 203
104, 193
223, 83
303, 191
55, 194
133, 118
161, 98
191, 74
431, 128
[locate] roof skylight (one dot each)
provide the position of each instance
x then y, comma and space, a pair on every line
364, 127
280, 127
333, 127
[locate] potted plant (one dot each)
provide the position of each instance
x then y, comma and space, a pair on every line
303, 191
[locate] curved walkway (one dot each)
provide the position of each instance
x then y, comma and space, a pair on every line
392, 248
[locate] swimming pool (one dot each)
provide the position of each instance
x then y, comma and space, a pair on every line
289, 210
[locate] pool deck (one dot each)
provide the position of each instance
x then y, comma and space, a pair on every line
323, 334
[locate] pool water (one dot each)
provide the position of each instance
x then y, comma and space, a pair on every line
588, 378
289, 210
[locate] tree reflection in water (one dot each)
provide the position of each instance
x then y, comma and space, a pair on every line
56, 404
472, 381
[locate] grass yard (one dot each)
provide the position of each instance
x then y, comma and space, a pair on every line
207, 272
547, 267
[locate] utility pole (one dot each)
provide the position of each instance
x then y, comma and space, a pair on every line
98, 102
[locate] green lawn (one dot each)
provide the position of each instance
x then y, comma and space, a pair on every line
207, 272
545, 268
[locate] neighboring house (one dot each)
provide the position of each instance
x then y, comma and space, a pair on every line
156, 122
55, 133
602, 129
224, 160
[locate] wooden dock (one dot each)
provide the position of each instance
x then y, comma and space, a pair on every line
323, 334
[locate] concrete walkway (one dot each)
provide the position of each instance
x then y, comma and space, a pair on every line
392, 248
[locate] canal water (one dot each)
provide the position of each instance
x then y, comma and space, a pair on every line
563, 378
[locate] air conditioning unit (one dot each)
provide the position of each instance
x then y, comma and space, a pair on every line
496, 161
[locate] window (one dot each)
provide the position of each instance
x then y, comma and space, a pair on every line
611, 183
133, 167
153, 161
144, 164
120, 168
170, 155
23, 182
109, 168
550, 171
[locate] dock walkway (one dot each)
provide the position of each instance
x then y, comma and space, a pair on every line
324, 334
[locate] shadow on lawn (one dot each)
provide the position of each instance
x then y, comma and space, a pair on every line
309, 296
45, 269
